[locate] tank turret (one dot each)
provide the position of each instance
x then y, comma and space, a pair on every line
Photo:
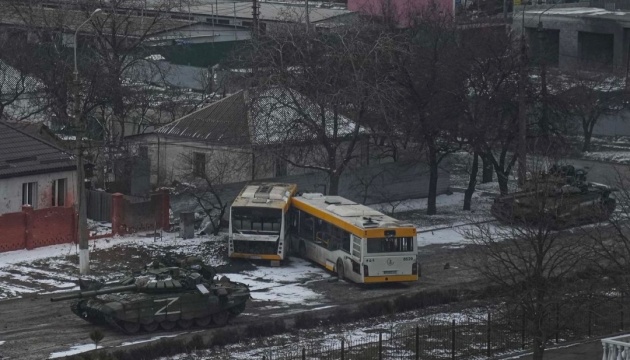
160, 297
564, 196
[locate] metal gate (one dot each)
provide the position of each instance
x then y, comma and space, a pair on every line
99, 205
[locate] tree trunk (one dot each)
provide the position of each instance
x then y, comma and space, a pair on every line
333, 184
433, 178
502, 178
487, 174
472, 182
538, 347
588, 133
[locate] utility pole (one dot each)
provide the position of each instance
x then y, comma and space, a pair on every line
308, 18
544, 119
522, 115
82, 231
255, 18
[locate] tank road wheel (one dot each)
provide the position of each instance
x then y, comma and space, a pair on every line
221, 318
341, 273
150, 327
167, 325
184, 323
203, 321
130, 327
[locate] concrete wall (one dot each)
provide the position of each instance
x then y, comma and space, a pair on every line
170, 160
390, 182
575, 26
11, 190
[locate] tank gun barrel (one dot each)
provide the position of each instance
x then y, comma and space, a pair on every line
92, 293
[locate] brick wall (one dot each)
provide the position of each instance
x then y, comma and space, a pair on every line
129, 217
29, 229
12, 231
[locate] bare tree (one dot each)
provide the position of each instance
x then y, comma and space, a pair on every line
591, 95
490, 67
428, 90
532, 267
204, 178
314, 91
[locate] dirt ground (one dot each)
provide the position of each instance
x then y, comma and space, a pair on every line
32, 327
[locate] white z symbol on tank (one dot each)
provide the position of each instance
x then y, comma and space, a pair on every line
161, 311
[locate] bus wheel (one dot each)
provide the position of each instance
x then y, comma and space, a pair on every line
340, 270
302, 250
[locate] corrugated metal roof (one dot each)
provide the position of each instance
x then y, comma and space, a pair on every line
22, 154
267, 117
223, 122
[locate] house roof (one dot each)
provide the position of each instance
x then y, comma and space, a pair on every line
22, 154
271, 116
68, 20
268, 11
224, 121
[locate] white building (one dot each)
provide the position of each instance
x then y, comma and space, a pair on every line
33, 172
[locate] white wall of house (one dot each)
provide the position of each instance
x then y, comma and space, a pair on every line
11, 190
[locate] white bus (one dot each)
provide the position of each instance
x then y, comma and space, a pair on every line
259, 224
357, 242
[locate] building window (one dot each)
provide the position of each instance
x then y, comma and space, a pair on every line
199, 164
223, 22
246, 23
29, 194
59, 192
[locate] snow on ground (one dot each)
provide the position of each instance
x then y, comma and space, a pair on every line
359, 332
77, 349
620, 157
54, 268
284, 284
444, 200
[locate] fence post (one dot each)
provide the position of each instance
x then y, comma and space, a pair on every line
590, 314
557, 321
380, 345
341, 349
488, 342
303, 353
117, 214
417, 342
621, 320
523, 330
453, 340
27, 210
161, 212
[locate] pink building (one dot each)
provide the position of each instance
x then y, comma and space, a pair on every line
401, 10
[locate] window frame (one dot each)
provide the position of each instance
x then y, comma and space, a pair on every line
56, 192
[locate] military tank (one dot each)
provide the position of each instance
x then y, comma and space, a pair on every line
160, 297
562, 198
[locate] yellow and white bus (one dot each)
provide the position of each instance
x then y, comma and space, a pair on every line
357, 242
259, 222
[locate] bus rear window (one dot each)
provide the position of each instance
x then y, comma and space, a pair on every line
248, 220
389, 245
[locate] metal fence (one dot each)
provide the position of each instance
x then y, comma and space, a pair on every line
491, 334
99, 205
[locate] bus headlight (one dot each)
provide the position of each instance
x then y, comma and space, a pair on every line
414, 268
366, 270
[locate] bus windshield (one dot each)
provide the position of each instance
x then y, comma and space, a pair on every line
389, 245
249, 220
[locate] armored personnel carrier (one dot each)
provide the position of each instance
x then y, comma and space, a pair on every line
561, 197
161, 297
